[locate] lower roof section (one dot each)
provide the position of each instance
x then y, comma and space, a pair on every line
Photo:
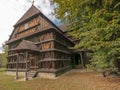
37, 32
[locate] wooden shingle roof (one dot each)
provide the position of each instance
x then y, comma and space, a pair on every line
64, 27
30, 13
26, 45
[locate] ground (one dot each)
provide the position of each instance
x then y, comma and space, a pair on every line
69, 81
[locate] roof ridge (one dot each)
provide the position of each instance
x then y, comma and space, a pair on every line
26, 45
28, 14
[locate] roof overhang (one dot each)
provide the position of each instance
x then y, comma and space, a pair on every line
26, 46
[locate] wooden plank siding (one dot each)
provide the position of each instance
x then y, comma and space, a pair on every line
33, 24
54, 55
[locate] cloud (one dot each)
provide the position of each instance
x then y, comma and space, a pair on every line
46, 8
13, 10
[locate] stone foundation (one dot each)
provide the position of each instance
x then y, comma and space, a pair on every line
46, 75
43, 74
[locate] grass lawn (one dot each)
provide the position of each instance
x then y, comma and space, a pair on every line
70, 81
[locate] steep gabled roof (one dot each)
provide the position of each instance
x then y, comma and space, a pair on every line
26, 45
63, 27
31, 12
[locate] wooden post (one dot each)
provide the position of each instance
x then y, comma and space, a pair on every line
17, 61
26, 78
74, 59
82, 59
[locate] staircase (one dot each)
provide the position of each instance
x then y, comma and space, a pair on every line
31, 74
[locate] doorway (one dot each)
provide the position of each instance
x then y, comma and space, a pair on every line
33, 62
79, 60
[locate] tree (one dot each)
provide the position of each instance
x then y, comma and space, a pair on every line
3, 56
97, 24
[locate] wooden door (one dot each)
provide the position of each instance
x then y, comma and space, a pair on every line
33, 63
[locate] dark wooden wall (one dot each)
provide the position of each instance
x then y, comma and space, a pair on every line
54, 47
54, 53
29, 27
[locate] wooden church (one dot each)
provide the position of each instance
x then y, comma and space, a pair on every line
37, 47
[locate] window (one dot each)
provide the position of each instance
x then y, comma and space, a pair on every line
26, 26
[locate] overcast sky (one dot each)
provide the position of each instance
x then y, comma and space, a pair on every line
12, 10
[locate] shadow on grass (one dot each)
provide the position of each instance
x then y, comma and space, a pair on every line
72, 81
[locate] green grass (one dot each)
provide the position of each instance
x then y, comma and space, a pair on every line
72, 81
8, 83
2, 69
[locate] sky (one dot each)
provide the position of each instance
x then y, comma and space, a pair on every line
12, 10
